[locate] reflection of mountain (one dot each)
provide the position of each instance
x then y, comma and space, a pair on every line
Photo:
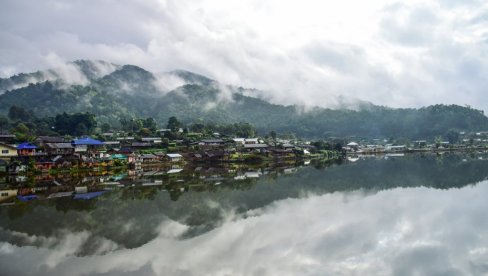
205, 196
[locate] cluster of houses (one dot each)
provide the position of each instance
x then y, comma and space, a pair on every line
418, 145
47, 152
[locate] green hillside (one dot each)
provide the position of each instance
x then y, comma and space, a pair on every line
129, 92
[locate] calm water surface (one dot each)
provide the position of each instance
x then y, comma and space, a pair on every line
410, 215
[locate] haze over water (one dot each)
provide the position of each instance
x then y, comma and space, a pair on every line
416, 214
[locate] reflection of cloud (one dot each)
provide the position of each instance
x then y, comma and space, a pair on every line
416, 231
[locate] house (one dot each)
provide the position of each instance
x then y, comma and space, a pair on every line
174, 157
7, 138
118, 156
7, 151
239, 141
86, 144
249, 141
140, 145
258, 147
148, 158
287, 146
125, 139
391, 148
214, 156
211, 142
112, 144
59, 148
420, 143
26, 149
125, 150
43, 140
152, 140
353, 146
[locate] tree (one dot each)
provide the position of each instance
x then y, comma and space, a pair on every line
173, 124
75, 124
22, 133
197, 127
105, 127
3, 123
150, 124
452, 136
17, 113
273, 135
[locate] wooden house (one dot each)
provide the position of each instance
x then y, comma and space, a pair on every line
26, 149
59, 148
174, 157
43, 140
7, 151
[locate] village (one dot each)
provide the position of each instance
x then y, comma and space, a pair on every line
109, 150
52, 154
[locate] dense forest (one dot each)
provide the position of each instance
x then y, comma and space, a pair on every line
131, 92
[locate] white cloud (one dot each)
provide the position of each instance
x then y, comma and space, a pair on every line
307, 52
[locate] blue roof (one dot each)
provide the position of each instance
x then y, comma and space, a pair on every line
87, 141
26, 197
88, 195
26, 145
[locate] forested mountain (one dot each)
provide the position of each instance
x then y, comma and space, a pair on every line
113, 92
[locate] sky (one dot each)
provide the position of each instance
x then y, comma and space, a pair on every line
325, 53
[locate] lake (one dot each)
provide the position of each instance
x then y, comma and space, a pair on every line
377, 215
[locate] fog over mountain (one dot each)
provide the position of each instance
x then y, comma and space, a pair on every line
324, 53
114, 92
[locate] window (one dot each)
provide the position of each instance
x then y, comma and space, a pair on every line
5, 151
4, 194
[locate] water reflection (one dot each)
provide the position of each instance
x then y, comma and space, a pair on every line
352, 218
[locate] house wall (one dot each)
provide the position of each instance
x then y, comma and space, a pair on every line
7, 151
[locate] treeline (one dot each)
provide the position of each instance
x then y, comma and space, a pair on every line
26, 126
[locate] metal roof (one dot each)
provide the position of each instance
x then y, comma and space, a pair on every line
26, 145
87, 141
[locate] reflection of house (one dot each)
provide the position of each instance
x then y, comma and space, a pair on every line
26, 149
174, 157
7, 194
7, 151
44, 164
3, 166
